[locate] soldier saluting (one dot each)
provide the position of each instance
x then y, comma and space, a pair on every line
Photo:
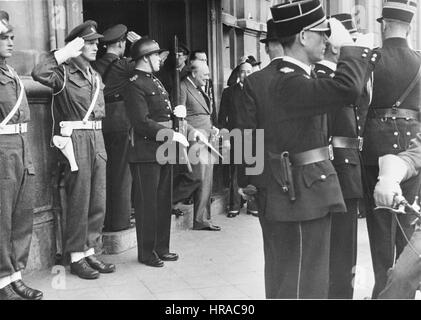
296, 225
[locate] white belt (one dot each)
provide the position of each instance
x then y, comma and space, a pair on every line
82, 125
14, 128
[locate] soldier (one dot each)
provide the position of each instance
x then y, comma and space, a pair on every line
149, 109
16, 171
115, 127
79, 108
344, 126
299, 188
393, 120
405, 276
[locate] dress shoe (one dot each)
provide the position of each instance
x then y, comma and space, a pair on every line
254, 213
7, 293
233, 214
26, 292
212, 228
100, 266
177, 212
153, 262
169, 257
83, 270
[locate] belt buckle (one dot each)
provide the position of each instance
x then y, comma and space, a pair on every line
18, 128
330, 151
360, 143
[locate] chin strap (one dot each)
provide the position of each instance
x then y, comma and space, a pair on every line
150, 64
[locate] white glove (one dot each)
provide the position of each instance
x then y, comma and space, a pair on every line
215, 131
3, 27
365, 40
181, 139
180, 111
385, 192
133, 36
71, 50
339, 35
200, 137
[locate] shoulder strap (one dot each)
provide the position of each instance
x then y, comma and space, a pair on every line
18, 102
409, 89
107, 71
91, 107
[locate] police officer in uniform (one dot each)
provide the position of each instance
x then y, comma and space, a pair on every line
150, 111
345, 133
393, 120
299, 188
16, 171
78, 110
115, 127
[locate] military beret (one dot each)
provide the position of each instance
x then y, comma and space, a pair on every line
4, 19
114, 34
87, 31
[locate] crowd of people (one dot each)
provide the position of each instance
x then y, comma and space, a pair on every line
340, 122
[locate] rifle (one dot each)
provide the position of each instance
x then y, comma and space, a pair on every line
180, 123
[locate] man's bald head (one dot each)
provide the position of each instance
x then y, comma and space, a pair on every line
199, 72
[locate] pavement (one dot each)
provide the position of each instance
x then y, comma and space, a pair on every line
221, 265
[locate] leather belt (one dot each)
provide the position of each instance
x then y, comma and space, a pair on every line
14, 128
82, 125
394, 113
167, 124
347, 143
113, 98
312, 156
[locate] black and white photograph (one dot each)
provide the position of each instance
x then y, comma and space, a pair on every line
222, 152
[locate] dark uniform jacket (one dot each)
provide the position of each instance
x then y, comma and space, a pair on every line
109, 67
347, 122
397, 67
294, 120
72, 103
148, 103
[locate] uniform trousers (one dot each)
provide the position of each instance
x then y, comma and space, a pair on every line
119, 182
386, 240
86, 192
152, 203
343, 251
296, 257
16, 205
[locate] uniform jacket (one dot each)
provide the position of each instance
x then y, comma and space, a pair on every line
200, 113
73, 102
346, 122
294, 120
110, 66
397, 67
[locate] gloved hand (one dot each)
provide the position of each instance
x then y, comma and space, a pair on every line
133, 36
3, 27
385, 192
365, 40
71, 50
181, 139
180, 111
339, 35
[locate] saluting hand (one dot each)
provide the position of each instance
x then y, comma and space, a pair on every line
3, 27
340, 36
72, 50
133, 36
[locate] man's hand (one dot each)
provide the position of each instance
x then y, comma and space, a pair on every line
339, 35
180, 111
385, 192
3, 26
133, 36
214, 131
181, 139
72, 50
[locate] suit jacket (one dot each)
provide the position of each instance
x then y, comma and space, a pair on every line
292, 113
346, 122
397, 67
198, 104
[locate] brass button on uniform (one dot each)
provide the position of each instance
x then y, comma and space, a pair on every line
323, 177
395, 146
408, 133
346, 161
396, 133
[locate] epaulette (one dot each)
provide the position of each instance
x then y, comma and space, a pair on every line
286, 70
134, 78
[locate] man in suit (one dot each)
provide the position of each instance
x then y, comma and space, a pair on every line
392, 122
199, 116
299, 188
344, 126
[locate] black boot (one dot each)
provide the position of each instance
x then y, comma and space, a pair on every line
26, 292
7, 293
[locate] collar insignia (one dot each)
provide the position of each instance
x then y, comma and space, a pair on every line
286, 70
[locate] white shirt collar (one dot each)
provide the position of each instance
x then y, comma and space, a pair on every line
302, 65
331, 65
277, 58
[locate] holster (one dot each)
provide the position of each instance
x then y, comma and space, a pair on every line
65, 145
286, 176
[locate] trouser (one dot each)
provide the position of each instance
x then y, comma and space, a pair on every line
202, 195
343, 251
16, 205
184, 183
119, 182
386, 240
152, 202
296, 258
85, 192
235, 197
405, 277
